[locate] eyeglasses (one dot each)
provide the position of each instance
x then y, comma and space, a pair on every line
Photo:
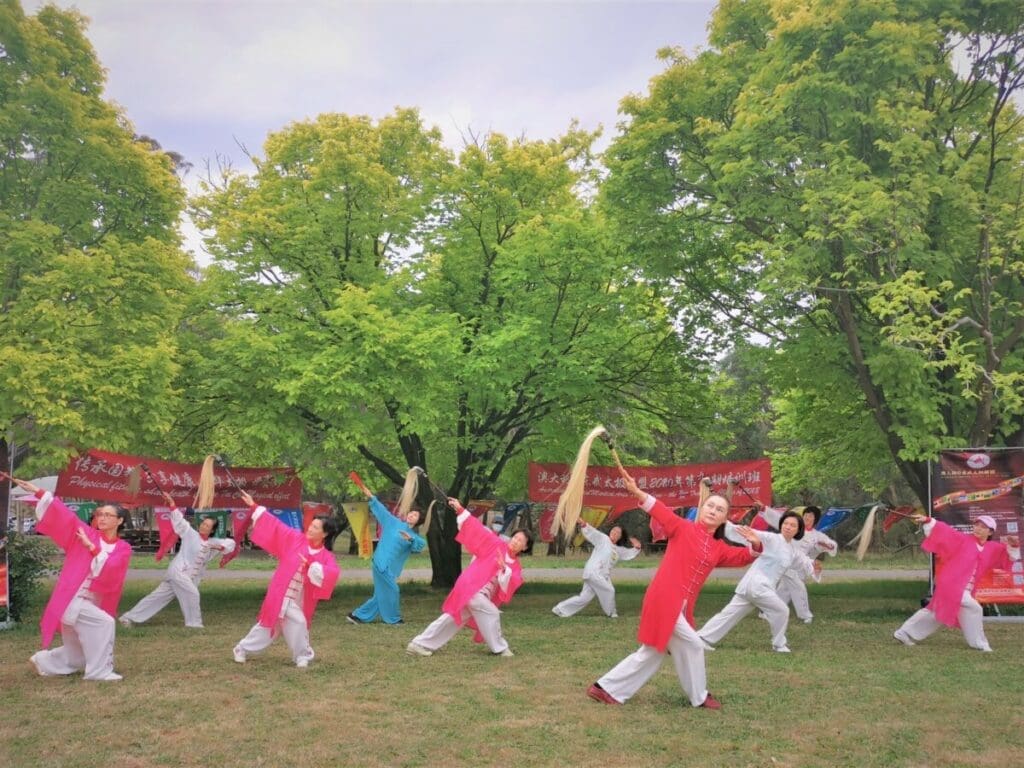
104, 514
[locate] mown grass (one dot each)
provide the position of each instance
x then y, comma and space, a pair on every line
848, 695
259, 560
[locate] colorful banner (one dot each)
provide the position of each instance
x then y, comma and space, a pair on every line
358, 514
104, 476
675, 486
984, 481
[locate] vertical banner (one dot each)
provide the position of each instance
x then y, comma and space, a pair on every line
358, 514
5, 506
983, 481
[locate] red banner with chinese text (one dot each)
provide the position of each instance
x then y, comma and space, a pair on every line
103, 476
675, 486
983, 481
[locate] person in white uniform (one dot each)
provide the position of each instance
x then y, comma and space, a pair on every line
757, 587
597, 580
792, 585
185, 572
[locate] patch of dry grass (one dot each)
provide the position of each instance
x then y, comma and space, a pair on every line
848, 695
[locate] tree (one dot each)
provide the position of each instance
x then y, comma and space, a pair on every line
844, 179
93, 278
420, 311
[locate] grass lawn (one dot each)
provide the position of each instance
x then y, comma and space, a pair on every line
258, 560
848, 695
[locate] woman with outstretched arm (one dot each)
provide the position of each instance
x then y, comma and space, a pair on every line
306, 574
398, 539
597, 573
185, 572
757, 587
84, 601
488, 583
666, 617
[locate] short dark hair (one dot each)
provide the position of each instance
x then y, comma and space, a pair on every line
331, 528
528, 549
800, 523
816, 511
216, 521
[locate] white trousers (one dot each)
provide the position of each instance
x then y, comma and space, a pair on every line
763, 598
292, 625
174, 586
488, 621
593, 586
687, 650
923, 623
88, 634
793, 589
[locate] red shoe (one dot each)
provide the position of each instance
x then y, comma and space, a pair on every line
711, 702
597, 693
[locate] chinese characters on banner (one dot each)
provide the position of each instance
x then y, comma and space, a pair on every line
104, 476
676, 486
966, 484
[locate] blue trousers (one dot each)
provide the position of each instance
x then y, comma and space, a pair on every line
384, 602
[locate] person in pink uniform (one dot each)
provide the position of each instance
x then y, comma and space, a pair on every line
666, 616
488, 582
84, 601
306, 574
963, 559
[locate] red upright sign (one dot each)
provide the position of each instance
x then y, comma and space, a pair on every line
966, 484
676, 486
104, 476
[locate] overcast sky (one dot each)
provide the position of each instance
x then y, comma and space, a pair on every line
197, 74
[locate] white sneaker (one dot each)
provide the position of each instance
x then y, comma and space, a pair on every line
239, 655
418, 650
903, 637
808, 620
507, 652
111, 677
126, 623
35, 665
302, 663
782, 649
707, 646
986, 649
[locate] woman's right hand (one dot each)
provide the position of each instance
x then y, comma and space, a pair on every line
247, 498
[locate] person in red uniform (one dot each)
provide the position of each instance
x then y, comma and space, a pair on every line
666, 617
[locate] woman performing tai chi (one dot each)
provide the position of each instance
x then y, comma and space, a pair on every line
792, 586
666, 617
185, 572
597, 572
488, 582
84, 601
963, 560
757, 587
306, 573
397, 540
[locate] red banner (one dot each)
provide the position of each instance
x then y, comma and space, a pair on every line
966, 484
676, 486
103, 476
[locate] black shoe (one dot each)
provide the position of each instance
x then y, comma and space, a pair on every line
353, 619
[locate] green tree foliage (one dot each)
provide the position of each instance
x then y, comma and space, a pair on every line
28, 559
91, 276
379, 304
844, 178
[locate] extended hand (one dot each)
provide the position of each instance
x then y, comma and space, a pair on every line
84, 538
